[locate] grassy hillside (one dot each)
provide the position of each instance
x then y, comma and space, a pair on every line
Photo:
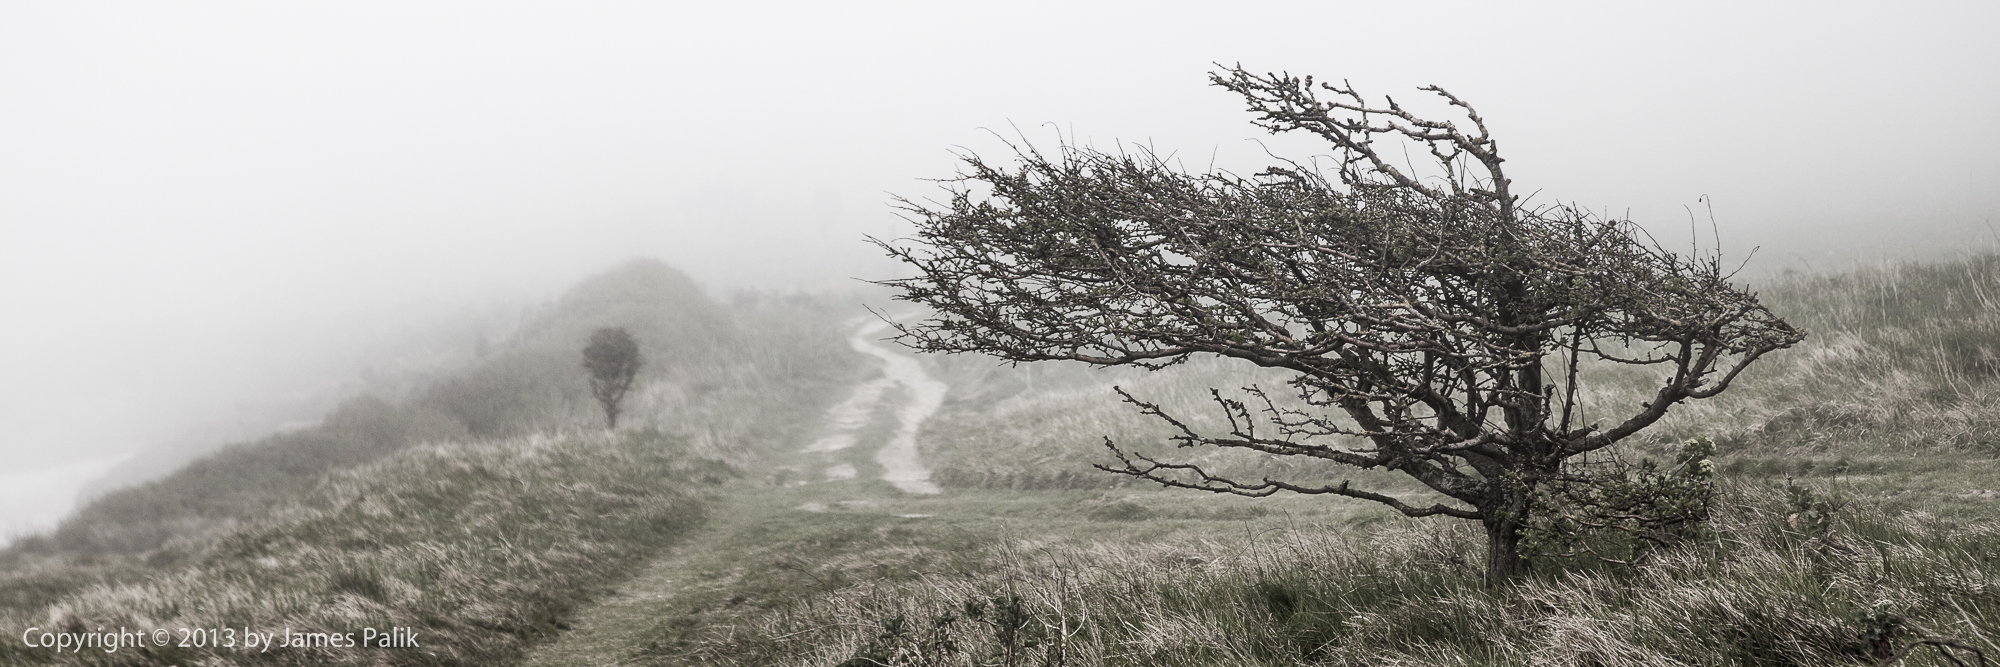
1318, 590
479, 548
703, 362
533, 382
722, 384
243, 478
1858, 502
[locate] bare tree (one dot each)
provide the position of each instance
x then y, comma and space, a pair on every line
1434, 323
613, 361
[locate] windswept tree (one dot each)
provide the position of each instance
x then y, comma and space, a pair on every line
613, 361
1433, 322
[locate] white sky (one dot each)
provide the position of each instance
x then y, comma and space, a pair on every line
208, 203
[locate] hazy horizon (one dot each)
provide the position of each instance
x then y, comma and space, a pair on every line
214, 213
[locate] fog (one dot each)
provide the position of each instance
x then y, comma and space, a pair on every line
216, 218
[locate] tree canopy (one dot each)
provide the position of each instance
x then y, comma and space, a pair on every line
1434, 323
613, 361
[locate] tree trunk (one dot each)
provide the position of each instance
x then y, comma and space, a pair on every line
1504, 562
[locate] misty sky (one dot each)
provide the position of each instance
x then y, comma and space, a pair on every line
205, 204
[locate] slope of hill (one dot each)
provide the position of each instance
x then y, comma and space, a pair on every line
472, 550
702, 360
1856, 512
532, 383
720, 384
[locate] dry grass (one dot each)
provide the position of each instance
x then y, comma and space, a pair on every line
486, 547
1755, 592
1898, 388
479, 548
1901, 357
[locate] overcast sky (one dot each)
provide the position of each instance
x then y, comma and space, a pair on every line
204, 203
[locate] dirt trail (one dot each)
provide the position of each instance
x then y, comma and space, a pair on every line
901, 463
617, 629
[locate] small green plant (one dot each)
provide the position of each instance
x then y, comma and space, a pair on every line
1618, 512
1878, 627
1812, 512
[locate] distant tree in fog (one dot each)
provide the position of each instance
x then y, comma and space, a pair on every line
613, 361
1434, 323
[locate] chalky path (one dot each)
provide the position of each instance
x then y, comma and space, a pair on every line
617, 628
902, 464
